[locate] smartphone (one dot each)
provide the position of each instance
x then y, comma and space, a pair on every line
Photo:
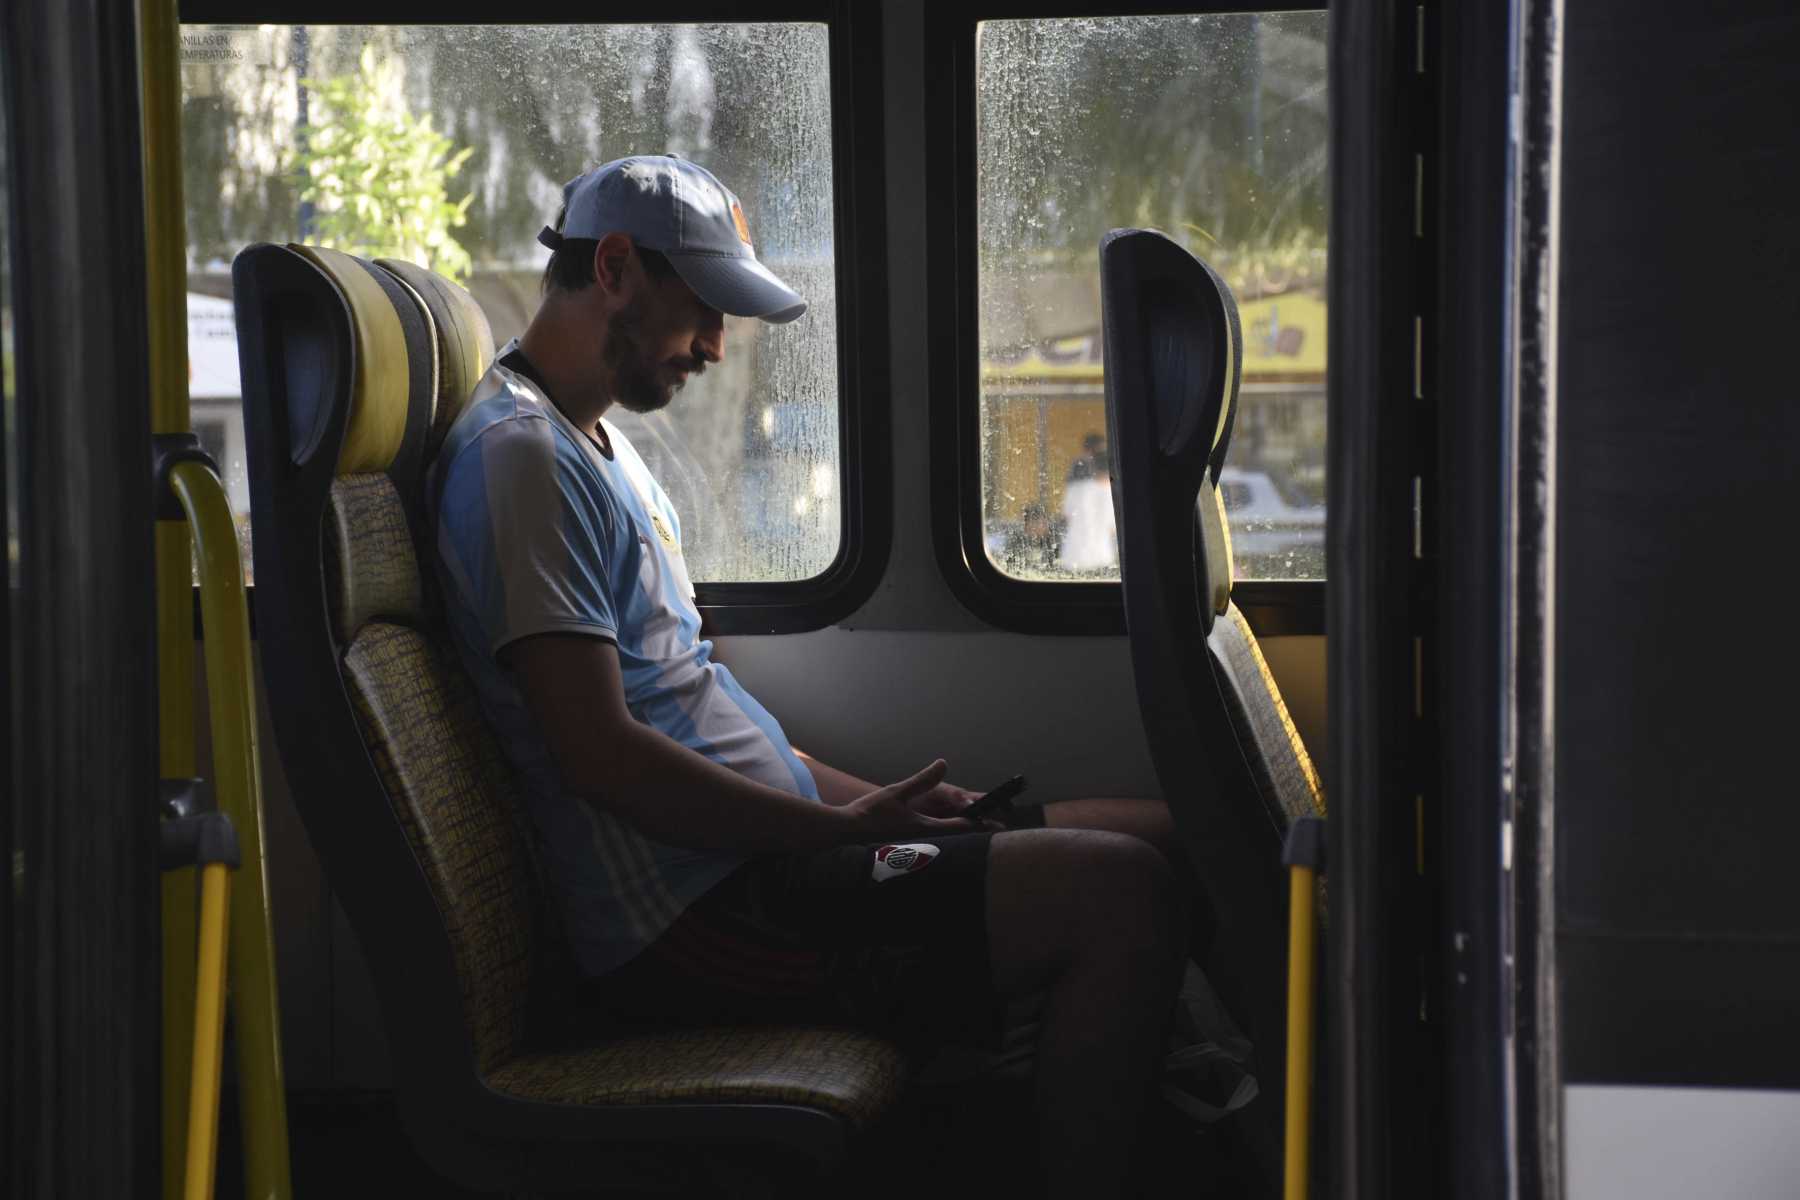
996, 801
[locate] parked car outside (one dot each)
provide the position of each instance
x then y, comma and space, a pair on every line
1270, 537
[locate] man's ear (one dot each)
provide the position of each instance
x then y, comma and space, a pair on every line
610, 256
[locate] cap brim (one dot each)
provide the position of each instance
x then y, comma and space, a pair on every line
742, 287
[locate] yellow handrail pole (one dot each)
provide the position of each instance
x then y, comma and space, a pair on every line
165, 245
209, 1034
254, 1012
176, 687
179, 930
1304, 856
1302, 888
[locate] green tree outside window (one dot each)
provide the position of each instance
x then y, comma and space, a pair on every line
378, 176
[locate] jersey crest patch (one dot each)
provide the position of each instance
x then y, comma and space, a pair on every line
891, 862
663, 532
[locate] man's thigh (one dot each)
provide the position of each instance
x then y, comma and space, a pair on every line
888, 936
1059, 894
1146, 819
1150, 821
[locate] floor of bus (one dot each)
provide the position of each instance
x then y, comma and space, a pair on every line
352, 1144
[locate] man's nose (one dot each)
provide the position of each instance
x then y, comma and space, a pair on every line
709, 343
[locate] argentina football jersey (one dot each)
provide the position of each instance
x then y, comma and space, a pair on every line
542, 528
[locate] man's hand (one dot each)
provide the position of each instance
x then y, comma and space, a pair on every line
921, 805
948, 800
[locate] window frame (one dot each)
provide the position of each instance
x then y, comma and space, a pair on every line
1273, 607
859, 240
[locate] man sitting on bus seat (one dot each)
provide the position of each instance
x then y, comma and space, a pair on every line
707, 870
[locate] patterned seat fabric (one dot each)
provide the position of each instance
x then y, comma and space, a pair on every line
445, 775
848, 1073
1280, 764
433, 752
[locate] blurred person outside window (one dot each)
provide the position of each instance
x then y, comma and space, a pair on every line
1090, 542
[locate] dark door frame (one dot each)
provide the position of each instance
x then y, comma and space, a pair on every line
82, 1022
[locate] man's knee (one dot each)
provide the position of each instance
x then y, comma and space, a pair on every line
1134, 903
1055, 895
1146, 819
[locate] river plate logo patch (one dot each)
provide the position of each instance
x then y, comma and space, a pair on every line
891, 862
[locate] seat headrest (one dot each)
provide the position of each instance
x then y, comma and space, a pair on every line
381, 386
421, 344
1176, 323
1174, 353
465, 342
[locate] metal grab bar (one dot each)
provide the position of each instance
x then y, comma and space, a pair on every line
189, 497
255, 1015
1304, 855
209, 841
209, 1034
165, 264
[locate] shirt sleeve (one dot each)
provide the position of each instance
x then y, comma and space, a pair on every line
525, 539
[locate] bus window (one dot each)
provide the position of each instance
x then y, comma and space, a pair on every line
1213, 129
449, 146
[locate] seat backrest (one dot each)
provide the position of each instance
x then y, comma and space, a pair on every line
1227, 755
352, 372
1173, 358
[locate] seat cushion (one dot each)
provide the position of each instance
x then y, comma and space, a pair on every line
371, 568
1277, 757
851, 1075
455, 799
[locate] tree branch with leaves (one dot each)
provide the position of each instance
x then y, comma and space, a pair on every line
377, 175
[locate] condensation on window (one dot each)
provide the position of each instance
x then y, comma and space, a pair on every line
1214, 130
282, 124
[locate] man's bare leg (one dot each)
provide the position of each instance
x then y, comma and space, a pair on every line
1151, 821
1094, 921
1146, 819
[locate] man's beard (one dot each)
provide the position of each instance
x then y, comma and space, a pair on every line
636, 385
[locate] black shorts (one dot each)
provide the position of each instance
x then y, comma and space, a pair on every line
886, 937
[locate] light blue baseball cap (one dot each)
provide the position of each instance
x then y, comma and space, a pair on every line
665, 203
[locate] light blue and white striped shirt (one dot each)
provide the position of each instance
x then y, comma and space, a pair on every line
538, 531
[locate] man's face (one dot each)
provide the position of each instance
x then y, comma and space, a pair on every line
663, 335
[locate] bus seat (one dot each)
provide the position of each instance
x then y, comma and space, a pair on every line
352, 371
1227, 756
